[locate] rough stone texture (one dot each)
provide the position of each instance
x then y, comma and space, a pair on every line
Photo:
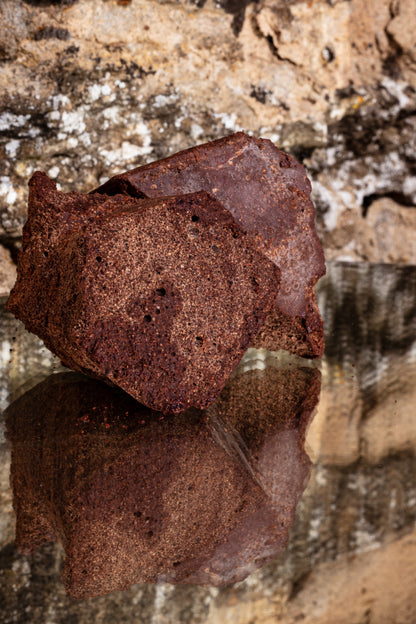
7, 271
387, 234
331, 82
24, 360
357, 514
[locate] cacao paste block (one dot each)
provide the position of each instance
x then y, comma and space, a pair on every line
267, 192
159, 296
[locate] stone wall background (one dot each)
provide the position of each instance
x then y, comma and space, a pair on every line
91, 87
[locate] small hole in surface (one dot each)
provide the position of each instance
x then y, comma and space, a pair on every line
45, 253
147, 318
149, 534
176, 563
98, 258
195, 218
161, 291
137, 514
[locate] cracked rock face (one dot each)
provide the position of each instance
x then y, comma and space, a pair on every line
333, 83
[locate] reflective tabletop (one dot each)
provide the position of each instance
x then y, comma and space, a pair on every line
292, 497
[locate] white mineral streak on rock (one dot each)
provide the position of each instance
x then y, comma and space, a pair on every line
73, 122
125, 154
112, 114
53, 172
97, 91
60, 101
228, 120
11, 148
5, 347
10, 120
7, 191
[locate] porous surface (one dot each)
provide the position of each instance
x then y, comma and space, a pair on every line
138, 498
267, 192
159, 296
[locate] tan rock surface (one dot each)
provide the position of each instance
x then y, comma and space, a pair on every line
7, 271
385, 234
373, 587
404, 13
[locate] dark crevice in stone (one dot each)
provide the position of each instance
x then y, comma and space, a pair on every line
345, 92
361, 131
259, 93
391, 64
275, 51
397, 196
199, 3
298, 584
46, 3
12, 245
50, 32
237, 8
328, 54
301, 152
406, 114
71, 50
354, 310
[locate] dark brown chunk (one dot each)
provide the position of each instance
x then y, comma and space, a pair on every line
159, 296
267, 192
205, 497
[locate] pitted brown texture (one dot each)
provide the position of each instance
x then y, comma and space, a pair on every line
159, 296
206, 497
267, 192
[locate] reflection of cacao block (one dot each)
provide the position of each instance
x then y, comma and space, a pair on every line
159, 296
204, 497
267, 192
